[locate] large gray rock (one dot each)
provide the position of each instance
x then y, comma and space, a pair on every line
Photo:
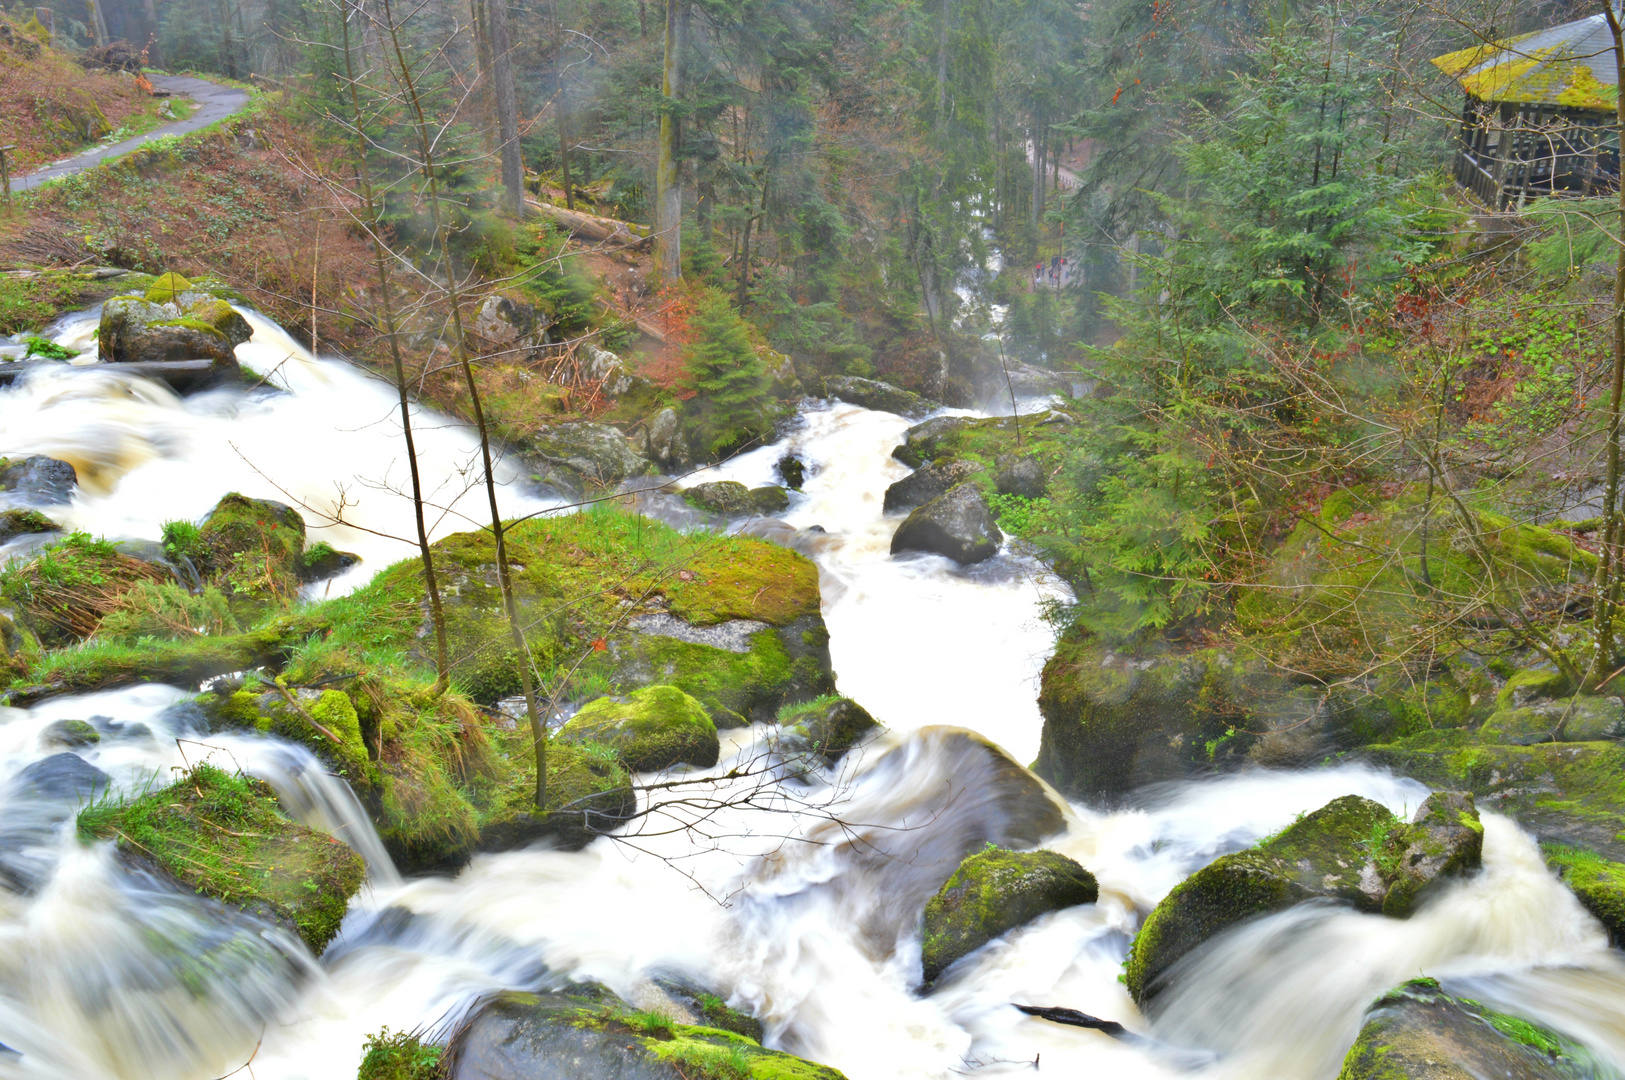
510, 323
992, 893
610, 374
1419, 1032
926, 483
580, 456
728, 498
958, 524
663, 441
882, 397
38, 479
920, 441
1445, 841
1022, 476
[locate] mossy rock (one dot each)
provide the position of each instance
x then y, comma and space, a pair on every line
1583, 718
589, 794
829, 725
219, 317
651, 729
576, 457
884, 397
253, 546
63, 592
1443, 842
70, 734
698, 1006
589, 1032
168, 288
15, 523
727, 498
1598, 883
133, 329
1418, 1032
769, 500
223, 836
323, 721
992, 893
1115, 720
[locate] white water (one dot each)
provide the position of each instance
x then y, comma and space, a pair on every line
105, 975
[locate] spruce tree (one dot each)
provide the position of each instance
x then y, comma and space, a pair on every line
731, 402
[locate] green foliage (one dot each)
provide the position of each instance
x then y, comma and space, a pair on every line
180, 540
400, 1055
166, 611
49, 350
731, 403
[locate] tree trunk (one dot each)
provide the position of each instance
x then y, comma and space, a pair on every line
561, 110
513, 168
942, 68
1606, 586
668, 192
1038, 178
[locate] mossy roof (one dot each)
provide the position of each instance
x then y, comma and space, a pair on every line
1570, 65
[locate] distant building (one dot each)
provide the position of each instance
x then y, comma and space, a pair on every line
1540, 117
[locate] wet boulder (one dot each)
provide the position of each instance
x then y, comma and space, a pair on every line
827, 725
728, 498
992, 893
38, 479
173, 321
1418, 1032
15, 523
920, 442
958, 524
769, 499
880, 396
793, 471
587, 797
64, 776
1582, 718
651, 729
1598, 883
1022, 476
694, 1004
587, 1032
579, 456
70, 734
928, 482
1351, 851
225, 837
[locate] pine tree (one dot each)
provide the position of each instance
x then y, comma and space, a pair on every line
731, 402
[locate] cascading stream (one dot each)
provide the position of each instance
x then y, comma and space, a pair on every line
106, 974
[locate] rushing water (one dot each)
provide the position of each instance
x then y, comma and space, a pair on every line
108, 974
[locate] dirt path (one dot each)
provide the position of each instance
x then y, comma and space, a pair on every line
215, 102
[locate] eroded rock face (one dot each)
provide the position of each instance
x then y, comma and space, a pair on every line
992, 893
1419, 1032
880, 396
926, 483
1351, 851
958, 524
579, 456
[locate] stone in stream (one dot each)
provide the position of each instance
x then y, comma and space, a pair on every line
690, 1003
15, 523
577, 457
882, 397
992, 893
663, 443
61, 777
173, 321
38, 479
958, 524
793, 471
70, 734
651, 729
827, 725
928, 482
1351, 851
1418, 1032
587, 1033
920, 441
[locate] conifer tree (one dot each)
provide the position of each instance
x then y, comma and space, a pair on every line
731, 400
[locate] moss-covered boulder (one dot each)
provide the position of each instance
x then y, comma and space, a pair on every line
958, 524
882, 397
728, 498
167, 288
71, 734
653, 728
829, 725
223, 836
769, 499
1579, 718
694, 1004
1117, 719
254, 548
792, 470
1598, 883
325, 721
15, 523
1418, 1032
992, 893
1351, 851
575, 457
588, 1032
135, 330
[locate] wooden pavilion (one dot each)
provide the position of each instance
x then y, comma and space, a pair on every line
1540, 117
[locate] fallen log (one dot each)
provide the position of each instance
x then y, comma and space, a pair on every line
182, 376
591, 226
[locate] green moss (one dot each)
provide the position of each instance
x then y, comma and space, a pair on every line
400, 1055
16, 522
993, 892
1532, 683
188, 323
252, 548
224, 836
167, 288
1598, 883
653, 728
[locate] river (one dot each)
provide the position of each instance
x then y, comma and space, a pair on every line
107, 974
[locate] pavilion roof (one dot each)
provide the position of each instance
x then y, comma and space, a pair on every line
1571, 64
